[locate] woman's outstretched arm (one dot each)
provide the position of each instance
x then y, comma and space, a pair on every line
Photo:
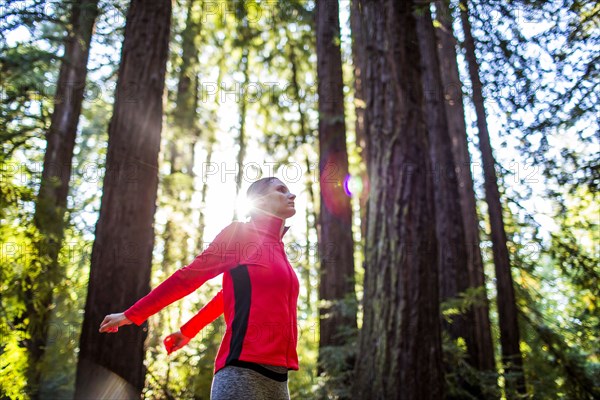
205, 316
221, 255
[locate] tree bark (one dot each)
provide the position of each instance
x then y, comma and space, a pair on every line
185, 131
111, 365
184, 114
304, 134
400, 353
358, 59
245, 34
54, 186
507, 309
337, 319
455, 115
452, 251
245, 61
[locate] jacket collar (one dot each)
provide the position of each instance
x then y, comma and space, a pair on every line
269, 224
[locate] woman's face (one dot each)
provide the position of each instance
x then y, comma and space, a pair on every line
277, 200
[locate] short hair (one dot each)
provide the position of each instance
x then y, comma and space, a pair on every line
259, 187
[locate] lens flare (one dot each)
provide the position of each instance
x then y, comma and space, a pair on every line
353, 185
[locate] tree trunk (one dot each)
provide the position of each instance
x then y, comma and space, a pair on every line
245, 33
54, 186
304, 134
242, 121
200, 245
452, 251
358, 59
337, 321
112, 365
400, 354
184, 114
507, 310
455, 115
186, 131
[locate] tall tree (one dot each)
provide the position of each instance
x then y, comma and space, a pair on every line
506, 304
244, 42
399, 355
336, 287
210, 144
51, 201
242, 140
184, 111
122, 252
452, 251
360, 73
358, 60
311, 213
455, 115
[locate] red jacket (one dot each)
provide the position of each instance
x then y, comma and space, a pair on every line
207, 314
259, 295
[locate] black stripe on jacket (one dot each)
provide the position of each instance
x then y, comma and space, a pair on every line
242, 291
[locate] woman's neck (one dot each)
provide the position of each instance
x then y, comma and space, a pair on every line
270, 222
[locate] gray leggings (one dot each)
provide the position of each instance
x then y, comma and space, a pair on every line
232, 382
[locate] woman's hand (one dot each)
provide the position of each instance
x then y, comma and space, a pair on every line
175, 341
112, 322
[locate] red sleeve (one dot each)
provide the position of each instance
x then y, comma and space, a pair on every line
221, 255
211, 311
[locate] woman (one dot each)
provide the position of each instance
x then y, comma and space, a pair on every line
259, 299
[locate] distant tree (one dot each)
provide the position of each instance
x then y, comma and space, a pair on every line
50, 209
360, 74
243, 42
455, 115
336, 247
311, 219
506, 304
452, 249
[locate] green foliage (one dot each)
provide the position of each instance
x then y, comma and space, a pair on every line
338, 362
302, 382
556, 289
17, 193
554, 368
460, 374
13, 366
458, 305
539, 67
13, 239
187, 373
66, 317
29, 68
